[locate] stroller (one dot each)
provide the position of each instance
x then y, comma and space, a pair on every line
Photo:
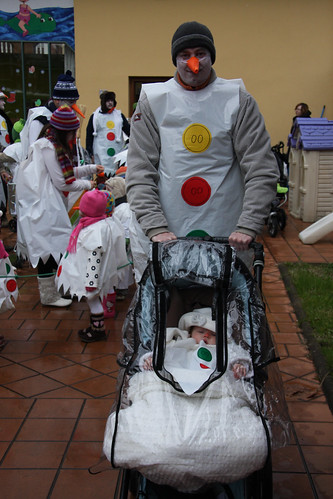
216, 442
277, 218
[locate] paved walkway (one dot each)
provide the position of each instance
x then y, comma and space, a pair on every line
55, 392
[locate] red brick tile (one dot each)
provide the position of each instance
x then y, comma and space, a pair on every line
30, 484
96, 408
319, 459
15, 408
46, 430
104, 364
4, 362
9, 428
47, 363
34, 385
3, 447
55, 408
61, 347
324, 485
37, 455
73, 374
287, 459
90, 430
14, 372
63, 393
83, 454
79, 483
295, 366
315, 433
24, 347
49, 335
315, 412
98, 387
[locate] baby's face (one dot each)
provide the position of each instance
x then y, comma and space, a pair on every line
201, 333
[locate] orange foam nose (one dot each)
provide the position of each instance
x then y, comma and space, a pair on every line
78, 110
193, 64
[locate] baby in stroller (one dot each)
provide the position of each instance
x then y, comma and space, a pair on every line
185, 425
190, 354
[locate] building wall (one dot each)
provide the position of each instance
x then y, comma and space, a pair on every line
282, 50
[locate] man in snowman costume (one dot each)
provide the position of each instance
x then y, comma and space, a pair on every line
199, 160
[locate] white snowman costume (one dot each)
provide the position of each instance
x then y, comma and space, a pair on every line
100, 251
108, 138
8, 284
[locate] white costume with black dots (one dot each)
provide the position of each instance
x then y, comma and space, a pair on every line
99, 253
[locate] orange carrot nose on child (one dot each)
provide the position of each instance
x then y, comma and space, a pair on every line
193, 64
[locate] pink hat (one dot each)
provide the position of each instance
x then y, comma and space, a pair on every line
64, 118
93, 203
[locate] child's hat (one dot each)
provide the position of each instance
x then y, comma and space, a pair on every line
116, 185
110, 202
64, 118
65, 88
200, 317
93, 203
3, 96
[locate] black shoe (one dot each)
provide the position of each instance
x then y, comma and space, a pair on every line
90, 335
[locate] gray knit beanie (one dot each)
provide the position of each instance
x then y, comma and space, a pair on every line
190, 35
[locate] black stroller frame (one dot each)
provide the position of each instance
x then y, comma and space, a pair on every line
259, 484
277, 218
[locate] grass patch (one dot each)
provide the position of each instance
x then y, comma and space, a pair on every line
314, 286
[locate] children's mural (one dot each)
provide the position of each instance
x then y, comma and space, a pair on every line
37, 20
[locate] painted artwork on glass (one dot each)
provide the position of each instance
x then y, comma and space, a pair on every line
37, 20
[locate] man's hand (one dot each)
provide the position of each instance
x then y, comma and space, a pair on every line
163, 237
240, 241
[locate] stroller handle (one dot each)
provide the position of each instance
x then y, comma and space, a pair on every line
258, 249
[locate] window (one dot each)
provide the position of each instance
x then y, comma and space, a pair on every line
29, 71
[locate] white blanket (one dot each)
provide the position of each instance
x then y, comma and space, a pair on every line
188, 441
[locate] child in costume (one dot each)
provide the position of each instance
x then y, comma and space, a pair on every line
122, 213
190, 354
8, 285
43, 184
109, 301
105, 132
89, 267
187, 440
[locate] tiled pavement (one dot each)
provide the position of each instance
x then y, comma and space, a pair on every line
55, 392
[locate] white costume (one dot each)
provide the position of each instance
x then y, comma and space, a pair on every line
108, 138
43, 225
185, 441
8, 284
32, 127
191, 155
105, 236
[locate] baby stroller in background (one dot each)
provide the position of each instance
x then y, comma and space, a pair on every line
183, 275
277, 218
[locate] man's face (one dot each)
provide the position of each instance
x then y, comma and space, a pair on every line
109, 104
205, 66
2, 104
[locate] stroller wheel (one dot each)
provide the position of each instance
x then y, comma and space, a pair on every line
272, 224
282, 219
